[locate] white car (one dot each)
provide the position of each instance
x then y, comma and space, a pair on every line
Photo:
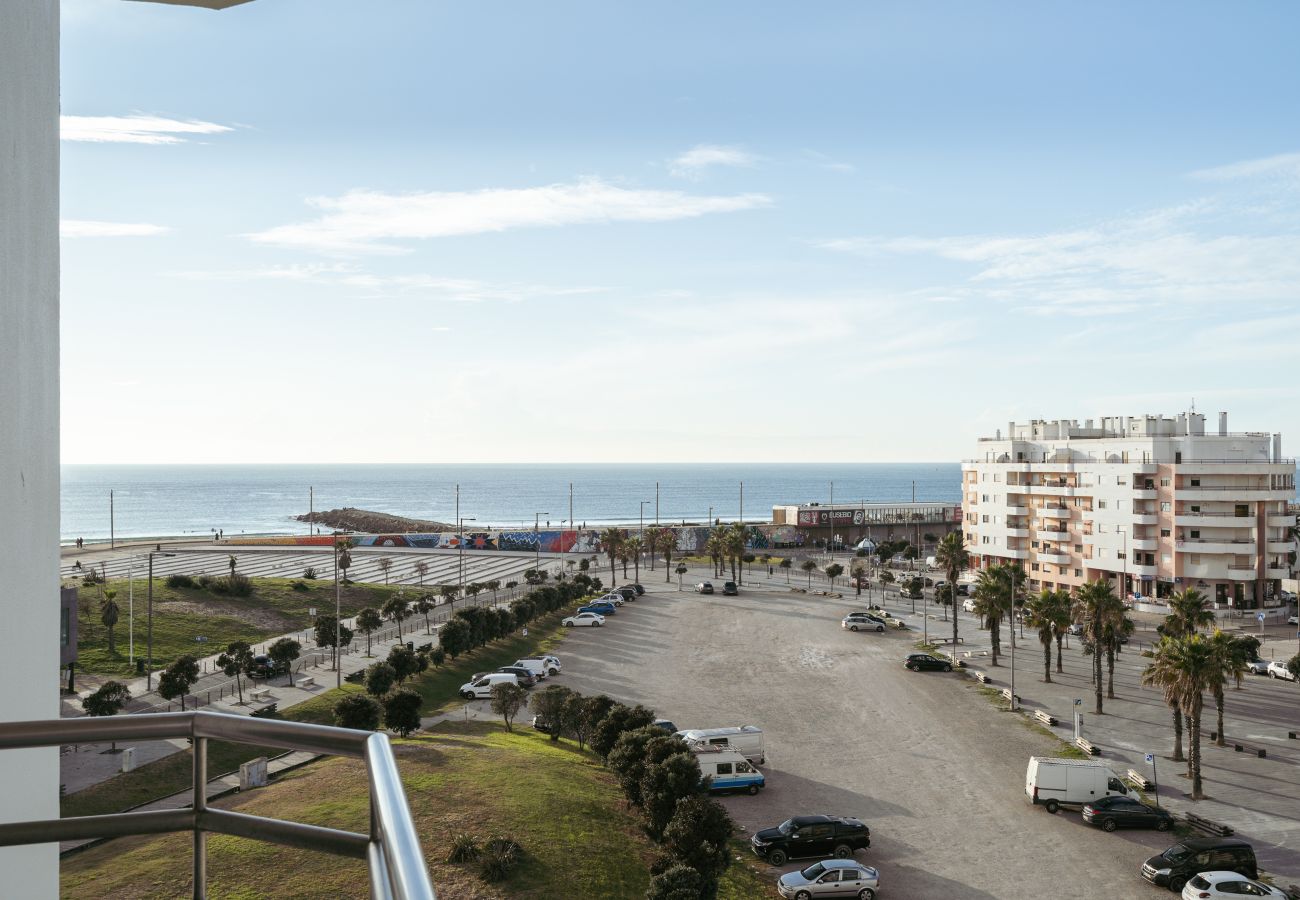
613, 597
1294, 620
1227, 884
595, 620
968, 604
1277, 669
552, 663
481, 688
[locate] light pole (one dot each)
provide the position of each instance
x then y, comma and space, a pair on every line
342, 560
148, 681
830, 542
1123, 585
537, 542
460, 544
1012, 703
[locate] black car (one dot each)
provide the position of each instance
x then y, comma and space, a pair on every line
922, 662
1109, 813
805, 836
1180, 862
638, 588
263, 667
729, 589
628, 592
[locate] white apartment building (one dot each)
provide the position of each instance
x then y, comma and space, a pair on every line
1155, 503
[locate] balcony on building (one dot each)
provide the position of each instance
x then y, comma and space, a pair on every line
1143, 543
1053, 512
1236, 547
1054, 557
1214, 519
1053, 534
1241, 572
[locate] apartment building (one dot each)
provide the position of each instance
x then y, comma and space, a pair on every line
1156, 504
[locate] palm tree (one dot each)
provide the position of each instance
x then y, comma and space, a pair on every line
108, 614
952, 557
1096, 606
786, 563
385, 564
992, 600
734, 540
1117, 630
612, 539
1184, 668
421, 569
1042, 612
369, 621
809, 566
1187, 612
715, 548
424, 605
635, 546
1230, 656
665, 542
395, 608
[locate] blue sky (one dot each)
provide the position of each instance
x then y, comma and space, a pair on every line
326, 231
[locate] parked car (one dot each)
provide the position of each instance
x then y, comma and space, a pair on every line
862, 622
627, 592
665, 724
534, 666
1294, 620
1227, 884
601, 607
263, 667
480, 688
704, 587
1257, 666
613, 597
830, 878
1177, 865
1075, 628
968, 605
747, 739
1109, 813
552, 663
526, 678
804, 836
640, 591
963, 589
923, 662
729, 589
540, 724
1278, 669
728, 770
1053, 782
592, 619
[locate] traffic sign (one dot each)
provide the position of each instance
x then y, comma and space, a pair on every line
1151, 757
1260, 617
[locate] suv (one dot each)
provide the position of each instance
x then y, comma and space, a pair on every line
627, 592
552, 663
704, 587
729, 589
1180, 862
811, 836
862, 621
526, 677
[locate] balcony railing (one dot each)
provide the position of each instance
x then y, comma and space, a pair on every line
392, 849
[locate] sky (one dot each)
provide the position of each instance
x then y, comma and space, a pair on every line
421, 231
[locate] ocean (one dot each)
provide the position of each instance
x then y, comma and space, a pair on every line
180, 501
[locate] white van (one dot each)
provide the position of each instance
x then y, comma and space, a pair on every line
1053, 783
480, 688
748, 739
536, 666
729, 769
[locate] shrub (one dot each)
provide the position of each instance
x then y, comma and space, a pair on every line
180, 581
380, 678
203, 581
664, 785
618, 719
357, 711
500, 854
236, 584
678, 883
91, 576
437, 656
464, 848
309, 573
697, 836
402, 711
300, 586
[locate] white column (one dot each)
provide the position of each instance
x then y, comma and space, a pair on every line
29, 411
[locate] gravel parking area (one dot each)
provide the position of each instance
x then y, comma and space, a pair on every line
934, 769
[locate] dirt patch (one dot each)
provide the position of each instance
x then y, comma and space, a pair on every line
260, 617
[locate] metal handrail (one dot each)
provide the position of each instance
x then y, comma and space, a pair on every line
392, 849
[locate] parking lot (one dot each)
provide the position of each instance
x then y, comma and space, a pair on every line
934, 770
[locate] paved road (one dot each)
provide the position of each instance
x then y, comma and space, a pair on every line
933, 768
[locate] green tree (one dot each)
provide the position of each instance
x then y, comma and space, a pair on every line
421, 569
108, 614
549, 707
628, 758
107, 700
396, 609
809, 566
680, 882
506, 701
368, 621
1230, 657
1098, 608
403, 661
473, 589
177, 679
1045, 612
698, 835
582, 715
284, 652
734, 539
1185, 667
665, 542
667, 783
454, 637
1293, 666
952, 557
357, 711
833, 571
786, 563
380, 679
993, 602
402, 711
715, 548
236, 662
634, 546
495, 585
449, 593
1188, 611
618, 719
611, 540
330, 633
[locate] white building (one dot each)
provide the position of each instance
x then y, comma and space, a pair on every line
1156, 503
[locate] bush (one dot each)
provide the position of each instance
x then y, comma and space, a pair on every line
500, 854
180, 581
91, 576
357, 711
236, 584
697, 836
300, 586
380, 678
402, 711
666, 784
203, 581
679, 883
619, 719
464, 848
309, 573
437, 656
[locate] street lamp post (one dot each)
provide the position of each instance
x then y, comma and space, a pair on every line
1014, 571
537, 541
148, 681
460, 545
830, 542
342, 560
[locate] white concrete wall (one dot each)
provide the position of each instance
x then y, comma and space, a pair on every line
29, 424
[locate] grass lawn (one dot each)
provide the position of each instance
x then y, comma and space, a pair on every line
580, 840
182, 614
438, 687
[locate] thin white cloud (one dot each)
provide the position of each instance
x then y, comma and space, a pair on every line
79, 228
1285, 165
134, 129
703, 156
363, 221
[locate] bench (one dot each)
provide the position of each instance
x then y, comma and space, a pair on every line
960, 640
1044, 717
1088, 747
307, 681
260, 695
1209, 826
983, 678
1006, 695
1137, 779
1247, 748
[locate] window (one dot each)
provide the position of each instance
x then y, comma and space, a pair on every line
1196, 533
1164, 482
1241, 510
1165, 558
1121, 480
1078, 573
1196, 482
1196, 507
1033, 567
1164, 532
986, 519
724, 768
1164, 506
1178, 457
832, 876
1101, 504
